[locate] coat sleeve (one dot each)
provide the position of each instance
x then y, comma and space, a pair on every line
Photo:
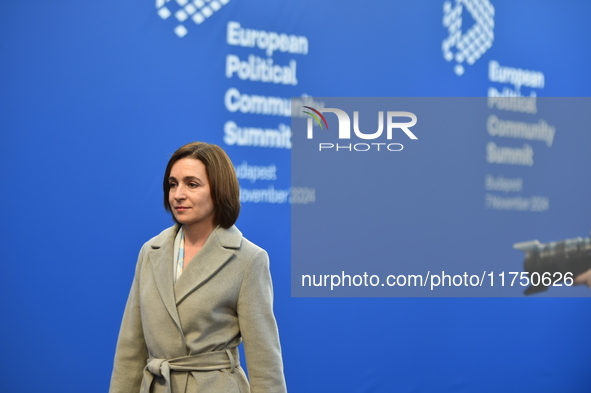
259, 329
131, 353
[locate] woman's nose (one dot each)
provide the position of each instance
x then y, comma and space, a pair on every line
179, 193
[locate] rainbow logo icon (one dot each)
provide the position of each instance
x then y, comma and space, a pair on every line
316, 117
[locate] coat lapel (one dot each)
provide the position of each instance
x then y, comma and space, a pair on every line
215, 253
161, 256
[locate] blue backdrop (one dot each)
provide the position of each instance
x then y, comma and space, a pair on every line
97, 95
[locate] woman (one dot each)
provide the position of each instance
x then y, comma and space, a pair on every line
199, 288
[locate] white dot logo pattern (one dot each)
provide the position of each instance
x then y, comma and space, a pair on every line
188, 12
470, 46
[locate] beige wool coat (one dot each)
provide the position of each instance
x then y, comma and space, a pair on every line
181, 337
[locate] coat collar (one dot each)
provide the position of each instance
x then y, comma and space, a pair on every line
215, 253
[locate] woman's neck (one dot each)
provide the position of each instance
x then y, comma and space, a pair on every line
197, 234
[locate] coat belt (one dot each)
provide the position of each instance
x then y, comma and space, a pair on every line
208, 361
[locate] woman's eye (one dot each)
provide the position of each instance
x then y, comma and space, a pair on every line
193, 185
172, 185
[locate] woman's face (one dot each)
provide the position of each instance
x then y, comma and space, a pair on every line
190, 195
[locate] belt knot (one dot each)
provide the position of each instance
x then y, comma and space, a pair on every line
155, 366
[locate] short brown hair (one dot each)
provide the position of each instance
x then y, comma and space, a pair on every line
225, 192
